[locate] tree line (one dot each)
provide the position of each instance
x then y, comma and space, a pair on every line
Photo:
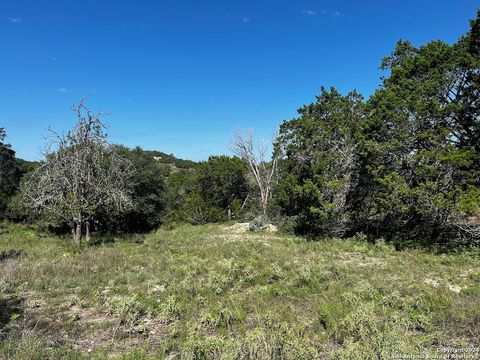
403, 164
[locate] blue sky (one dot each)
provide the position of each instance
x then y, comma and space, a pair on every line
179, 76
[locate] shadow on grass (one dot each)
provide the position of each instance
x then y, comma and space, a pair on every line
11, 254
101, 241
109, 239
10, 309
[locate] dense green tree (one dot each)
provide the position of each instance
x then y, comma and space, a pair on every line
147, 191
215, 190
221, 182
405, 164
10, 173
421, 141
319, 162
179, 186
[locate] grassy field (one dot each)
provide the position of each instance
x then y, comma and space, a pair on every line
216, 292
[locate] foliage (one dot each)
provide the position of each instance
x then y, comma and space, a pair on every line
420, 142
128, 309
257, 224
405, 164
221, 183
216, 190
147, 191
179, 186
10, 173
319, 162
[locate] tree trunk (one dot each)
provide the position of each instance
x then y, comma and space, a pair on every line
87, 231
77, 236
77, 233
264, 201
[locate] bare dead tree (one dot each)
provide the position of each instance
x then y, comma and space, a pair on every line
81, 174
467, 228
255, 155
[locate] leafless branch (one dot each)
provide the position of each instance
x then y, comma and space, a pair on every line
83, 174
255, 155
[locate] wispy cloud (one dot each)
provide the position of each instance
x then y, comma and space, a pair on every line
15, 20
245, 19
63, 90
309, 12
322, 12
204, 151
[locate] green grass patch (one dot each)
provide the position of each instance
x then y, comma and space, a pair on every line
208, 292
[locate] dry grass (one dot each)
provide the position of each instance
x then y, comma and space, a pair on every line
215, 292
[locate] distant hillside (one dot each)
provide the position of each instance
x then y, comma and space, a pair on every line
27, 166
170, 159
161, 157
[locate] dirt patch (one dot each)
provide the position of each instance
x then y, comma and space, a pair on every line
433, 282
104, 332
455, 288
358, 260
437, 283
246, 237
240, 228
271, 228
467, 273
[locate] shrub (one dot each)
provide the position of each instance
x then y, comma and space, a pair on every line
258, 224
169, 309
128, 309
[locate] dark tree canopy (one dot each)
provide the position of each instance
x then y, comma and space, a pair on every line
404, 164
422, 140
222, 183
318, 162
147, 190
216, 190
10, 172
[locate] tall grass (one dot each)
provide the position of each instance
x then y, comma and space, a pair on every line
208, 292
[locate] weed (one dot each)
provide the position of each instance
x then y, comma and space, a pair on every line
127, 309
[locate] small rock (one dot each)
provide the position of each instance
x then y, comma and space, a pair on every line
271, 228
159, 288
455, 288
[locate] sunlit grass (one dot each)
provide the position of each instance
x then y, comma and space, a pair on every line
210, 292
